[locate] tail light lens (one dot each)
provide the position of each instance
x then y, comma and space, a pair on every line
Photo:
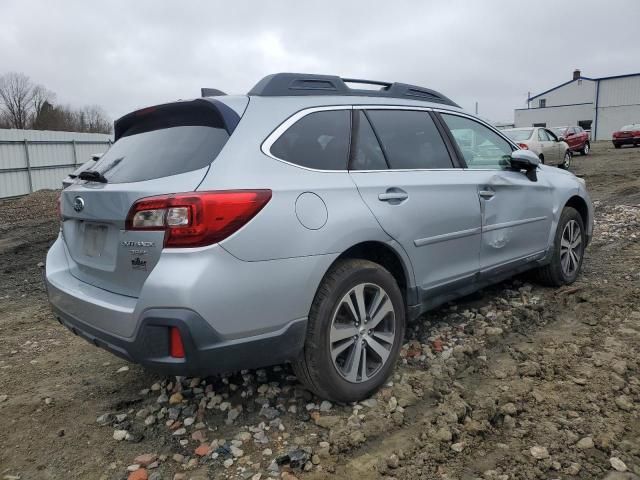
197, 219
523, 146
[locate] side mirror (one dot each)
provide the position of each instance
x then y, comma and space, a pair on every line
561, 139
525, 160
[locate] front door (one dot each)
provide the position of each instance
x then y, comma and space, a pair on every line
405, 175
517, 213
548, 147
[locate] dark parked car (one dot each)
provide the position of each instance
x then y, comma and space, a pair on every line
627, 135
576, 137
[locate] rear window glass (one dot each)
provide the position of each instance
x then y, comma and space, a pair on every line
161, 153
319, 140
410, 139
518, 135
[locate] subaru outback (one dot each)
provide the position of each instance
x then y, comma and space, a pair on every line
306, 222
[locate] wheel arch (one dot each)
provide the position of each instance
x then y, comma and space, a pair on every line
388, 257
579, 204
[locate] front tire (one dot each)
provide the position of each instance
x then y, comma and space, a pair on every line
566, 160
585, 150
354, 332
568, 251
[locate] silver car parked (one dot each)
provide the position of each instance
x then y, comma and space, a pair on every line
306, 221
550, 148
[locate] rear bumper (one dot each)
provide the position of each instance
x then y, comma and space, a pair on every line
206, 352
626, 141
231, 314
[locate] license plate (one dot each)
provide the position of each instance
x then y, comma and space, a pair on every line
94, 238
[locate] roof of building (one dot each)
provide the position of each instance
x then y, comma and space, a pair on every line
593, 79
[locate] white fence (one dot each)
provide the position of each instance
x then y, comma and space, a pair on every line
34, 159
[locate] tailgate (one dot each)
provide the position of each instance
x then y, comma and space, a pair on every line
159, 150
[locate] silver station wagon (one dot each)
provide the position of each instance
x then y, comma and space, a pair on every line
307, 221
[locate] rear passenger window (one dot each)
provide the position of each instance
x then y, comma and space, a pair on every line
366, 153
410, 139
319, 140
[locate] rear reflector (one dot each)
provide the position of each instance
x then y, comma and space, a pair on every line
176, 348
199, 218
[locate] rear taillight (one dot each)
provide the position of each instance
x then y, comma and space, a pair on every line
176, 347
523, 146
197, 219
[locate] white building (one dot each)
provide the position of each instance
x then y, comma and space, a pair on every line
601, 105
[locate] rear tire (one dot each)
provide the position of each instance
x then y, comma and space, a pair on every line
568, 251
585, 150
348, 356
616, 145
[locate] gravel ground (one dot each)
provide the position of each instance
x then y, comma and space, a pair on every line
514, 382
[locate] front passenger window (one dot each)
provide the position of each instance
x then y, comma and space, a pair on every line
481, 147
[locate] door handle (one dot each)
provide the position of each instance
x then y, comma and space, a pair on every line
393, 195
487, 194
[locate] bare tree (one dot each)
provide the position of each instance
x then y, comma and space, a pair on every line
93, 119
24, 104
41, 96
16, 98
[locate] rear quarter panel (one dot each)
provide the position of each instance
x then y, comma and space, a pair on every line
276, 232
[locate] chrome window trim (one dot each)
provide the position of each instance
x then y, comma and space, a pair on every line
273, 136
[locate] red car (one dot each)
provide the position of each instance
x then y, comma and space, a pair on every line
576, 137
627, 135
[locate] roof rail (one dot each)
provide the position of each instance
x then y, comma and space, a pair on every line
303, 84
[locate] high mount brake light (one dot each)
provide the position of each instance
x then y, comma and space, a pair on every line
197, 219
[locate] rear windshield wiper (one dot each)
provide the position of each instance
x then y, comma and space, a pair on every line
92, 176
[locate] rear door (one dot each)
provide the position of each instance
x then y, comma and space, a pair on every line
406, 175
160, 150
516, 212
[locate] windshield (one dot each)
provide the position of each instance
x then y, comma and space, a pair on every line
518, 135
634, 126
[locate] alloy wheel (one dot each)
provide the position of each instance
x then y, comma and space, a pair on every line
362, 334
570, 248
567, 160
586, 149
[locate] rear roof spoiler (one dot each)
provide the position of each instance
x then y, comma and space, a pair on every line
201, 111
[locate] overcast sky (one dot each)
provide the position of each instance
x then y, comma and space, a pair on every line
124, 55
